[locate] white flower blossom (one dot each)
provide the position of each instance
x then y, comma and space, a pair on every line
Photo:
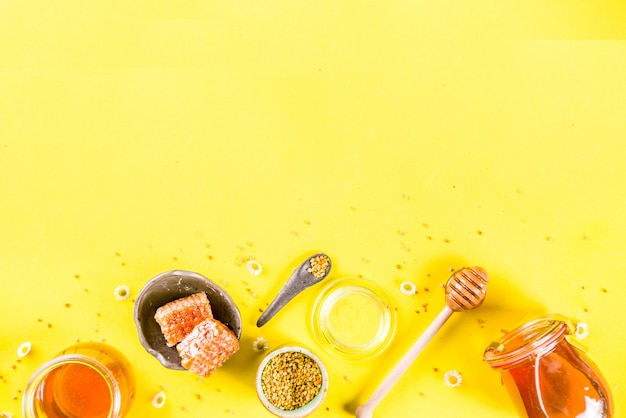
260, 344
254, 267
23, 350
452, 379
408, 288
582, 331
158, 400
121, 292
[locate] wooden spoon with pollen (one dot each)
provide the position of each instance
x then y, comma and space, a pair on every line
465, 290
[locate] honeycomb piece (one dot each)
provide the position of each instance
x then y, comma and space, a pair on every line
179, 317
207, 347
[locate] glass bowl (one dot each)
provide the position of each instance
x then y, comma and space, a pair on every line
353, 319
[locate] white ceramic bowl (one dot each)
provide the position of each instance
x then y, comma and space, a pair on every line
305, 409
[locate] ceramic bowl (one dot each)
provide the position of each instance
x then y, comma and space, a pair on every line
304, 410
170, 286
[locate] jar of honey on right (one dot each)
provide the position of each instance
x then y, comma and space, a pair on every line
546, 375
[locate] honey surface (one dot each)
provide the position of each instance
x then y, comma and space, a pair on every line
75, 390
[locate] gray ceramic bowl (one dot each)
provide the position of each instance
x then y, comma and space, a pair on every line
170, 286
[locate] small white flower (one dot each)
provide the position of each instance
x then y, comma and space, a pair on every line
408, 288
260, 344
582, 331
452, 379
158, 400
254, 267
23, 350
122, 292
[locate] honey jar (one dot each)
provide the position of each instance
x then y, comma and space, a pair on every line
546, 374
87, 380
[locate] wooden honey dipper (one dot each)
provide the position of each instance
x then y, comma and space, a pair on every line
465, 290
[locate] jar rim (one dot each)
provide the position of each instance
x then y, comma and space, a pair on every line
32, 388
531, 339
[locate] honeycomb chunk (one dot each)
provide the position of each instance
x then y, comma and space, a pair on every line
207, 347
179, 317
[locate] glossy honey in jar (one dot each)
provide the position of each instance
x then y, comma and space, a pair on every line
546, 375
86, 380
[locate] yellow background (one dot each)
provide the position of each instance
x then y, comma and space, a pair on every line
404, 139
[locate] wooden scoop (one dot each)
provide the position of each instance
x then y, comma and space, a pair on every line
465, 290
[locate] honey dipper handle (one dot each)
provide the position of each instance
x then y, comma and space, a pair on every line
366, 410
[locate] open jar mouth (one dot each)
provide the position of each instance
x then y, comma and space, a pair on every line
534, 338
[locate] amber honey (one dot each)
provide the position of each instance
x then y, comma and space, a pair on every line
548, 377
89, 380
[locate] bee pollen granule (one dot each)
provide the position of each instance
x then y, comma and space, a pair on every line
319, 266
291, 380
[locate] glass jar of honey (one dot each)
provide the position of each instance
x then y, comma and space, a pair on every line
86, 380
547, 375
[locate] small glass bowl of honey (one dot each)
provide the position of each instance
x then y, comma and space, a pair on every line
87, 380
